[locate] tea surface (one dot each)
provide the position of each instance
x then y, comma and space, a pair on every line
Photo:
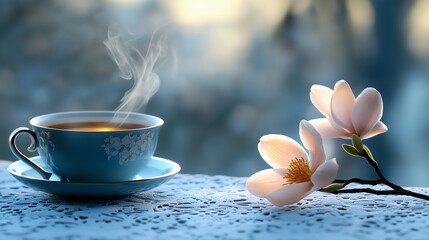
95, 126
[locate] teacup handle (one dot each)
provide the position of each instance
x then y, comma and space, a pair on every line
31, 148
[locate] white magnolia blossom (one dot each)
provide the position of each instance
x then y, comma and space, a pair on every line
294, 174
345, 114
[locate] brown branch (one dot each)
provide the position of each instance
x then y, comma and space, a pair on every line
383, 192
396, 190
358, 180
383, 180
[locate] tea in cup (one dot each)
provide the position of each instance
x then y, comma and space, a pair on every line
91, 146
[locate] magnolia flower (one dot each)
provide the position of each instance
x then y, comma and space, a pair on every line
345, 114
294, 174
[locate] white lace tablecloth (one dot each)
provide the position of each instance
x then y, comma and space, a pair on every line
207, 207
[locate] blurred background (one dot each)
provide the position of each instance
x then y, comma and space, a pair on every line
236, 70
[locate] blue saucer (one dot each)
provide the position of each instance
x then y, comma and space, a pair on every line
157, 172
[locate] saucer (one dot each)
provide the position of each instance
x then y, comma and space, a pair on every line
157, 172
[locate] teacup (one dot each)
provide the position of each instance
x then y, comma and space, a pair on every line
92, 146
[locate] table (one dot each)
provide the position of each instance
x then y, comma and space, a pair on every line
207, 207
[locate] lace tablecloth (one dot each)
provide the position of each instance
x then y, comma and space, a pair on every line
207, 207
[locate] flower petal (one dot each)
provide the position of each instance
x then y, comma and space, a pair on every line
313, 142
290, 194
321, 98
278, 150
325, 174
327, 130
266, 181
342, 102
377, 129
367, 110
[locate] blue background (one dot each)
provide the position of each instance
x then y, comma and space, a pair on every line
236, 70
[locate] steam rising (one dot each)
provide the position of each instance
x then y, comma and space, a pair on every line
135, 66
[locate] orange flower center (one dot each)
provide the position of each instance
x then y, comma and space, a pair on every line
299, 171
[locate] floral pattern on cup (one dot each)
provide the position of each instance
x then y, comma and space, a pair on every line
128, 148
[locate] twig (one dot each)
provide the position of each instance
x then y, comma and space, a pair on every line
396, 190
383, 180
383, 192
358, 180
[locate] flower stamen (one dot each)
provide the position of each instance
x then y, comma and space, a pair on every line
299, 171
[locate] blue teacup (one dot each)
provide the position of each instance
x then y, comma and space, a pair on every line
93, 146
